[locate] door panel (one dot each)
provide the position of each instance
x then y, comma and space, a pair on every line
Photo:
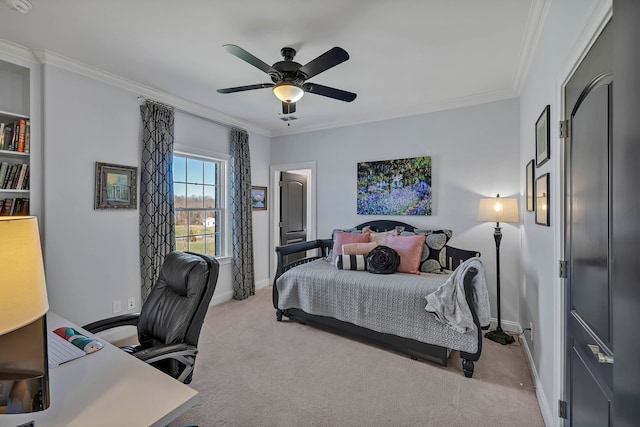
591, 407
293, 210
589, 98
590, 211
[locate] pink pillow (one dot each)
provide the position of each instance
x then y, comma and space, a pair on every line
342, 237
358, 248
410, 250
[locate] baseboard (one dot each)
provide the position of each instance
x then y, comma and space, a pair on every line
507, 325
219, 298
547, 415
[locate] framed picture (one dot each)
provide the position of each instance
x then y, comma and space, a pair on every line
530, 189
116, 186
259, 198
542, 137
395, 187
542, 200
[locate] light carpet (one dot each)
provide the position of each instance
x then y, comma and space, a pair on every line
254, 371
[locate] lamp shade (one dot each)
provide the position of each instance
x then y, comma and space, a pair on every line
23, 292
498, 209
288, 93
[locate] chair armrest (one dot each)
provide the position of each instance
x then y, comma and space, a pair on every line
166, 351
130, 319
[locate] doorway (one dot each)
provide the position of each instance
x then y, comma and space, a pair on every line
306, 170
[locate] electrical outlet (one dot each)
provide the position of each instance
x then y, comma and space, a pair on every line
531, 331
131, 303
116, 306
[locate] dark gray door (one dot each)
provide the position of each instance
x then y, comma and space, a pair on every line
293, 209
589, 355
626, 213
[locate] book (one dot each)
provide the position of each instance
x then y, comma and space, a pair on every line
7, 133
21, 176
11, 175
6, 207
27, 137
1, 135
21, 127
3, 172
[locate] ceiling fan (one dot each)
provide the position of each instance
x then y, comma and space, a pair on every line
290, 78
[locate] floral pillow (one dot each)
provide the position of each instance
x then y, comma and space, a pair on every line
379, 237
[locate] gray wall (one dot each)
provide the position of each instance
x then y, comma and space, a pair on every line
541, 290
91, 256
475, 153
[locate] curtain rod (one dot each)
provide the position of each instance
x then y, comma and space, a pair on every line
145, 99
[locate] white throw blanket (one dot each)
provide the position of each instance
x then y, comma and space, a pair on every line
449, 305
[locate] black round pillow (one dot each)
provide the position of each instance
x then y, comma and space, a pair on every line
383, 260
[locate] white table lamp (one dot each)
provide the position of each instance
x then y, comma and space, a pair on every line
24, 373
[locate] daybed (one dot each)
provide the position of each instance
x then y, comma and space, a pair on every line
383, 309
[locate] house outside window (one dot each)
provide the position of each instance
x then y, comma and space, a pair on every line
198, 185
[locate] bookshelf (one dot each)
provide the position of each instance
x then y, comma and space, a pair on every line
15, 139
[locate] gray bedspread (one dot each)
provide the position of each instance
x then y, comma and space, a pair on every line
393, 304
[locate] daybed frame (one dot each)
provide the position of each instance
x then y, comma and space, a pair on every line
413, 348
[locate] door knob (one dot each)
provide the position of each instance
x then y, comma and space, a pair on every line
602, 358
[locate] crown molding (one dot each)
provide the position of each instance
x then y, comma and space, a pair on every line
449, 104
16, 51
535, 22
49, 58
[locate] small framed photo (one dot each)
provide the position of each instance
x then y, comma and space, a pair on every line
542, 200
259, 198
116, 186
530, 186
542, 137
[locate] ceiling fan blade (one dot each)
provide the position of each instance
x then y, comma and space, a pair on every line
243, 88
329, 92
329, 59
288, 107
247, 57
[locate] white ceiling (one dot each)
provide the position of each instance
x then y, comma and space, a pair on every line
407, 56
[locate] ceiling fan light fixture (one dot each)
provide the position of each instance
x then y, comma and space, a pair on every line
288, 93
23, 6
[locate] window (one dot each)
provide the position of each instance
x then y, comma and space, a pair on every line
199, 204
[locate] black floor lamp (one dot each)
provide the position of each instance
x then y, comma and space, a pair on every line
498, 210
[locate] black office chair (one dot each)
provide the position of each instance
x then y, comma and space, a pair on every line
171, 318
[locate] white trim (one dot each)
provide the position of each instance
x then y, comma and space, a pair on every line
275, 170
598, 17
547, 415
17, 51
50, 58
535, 22
222, 297
507, 325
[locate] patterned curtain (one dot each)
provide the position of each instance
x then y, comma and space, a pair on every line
157, 234
241, 216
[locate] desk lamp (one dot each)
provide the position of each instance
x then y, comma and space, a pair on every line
498, 210
24, 370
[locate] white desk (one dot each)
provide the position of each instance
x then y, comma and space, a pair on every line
107, 388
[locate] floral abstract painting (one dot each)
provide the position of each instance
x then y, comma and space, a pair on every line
395, 187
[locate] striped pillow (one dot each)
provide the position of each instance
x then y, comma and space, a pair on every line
351, 262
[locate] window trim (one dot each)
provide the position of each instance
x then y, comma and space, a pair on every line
212, 156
